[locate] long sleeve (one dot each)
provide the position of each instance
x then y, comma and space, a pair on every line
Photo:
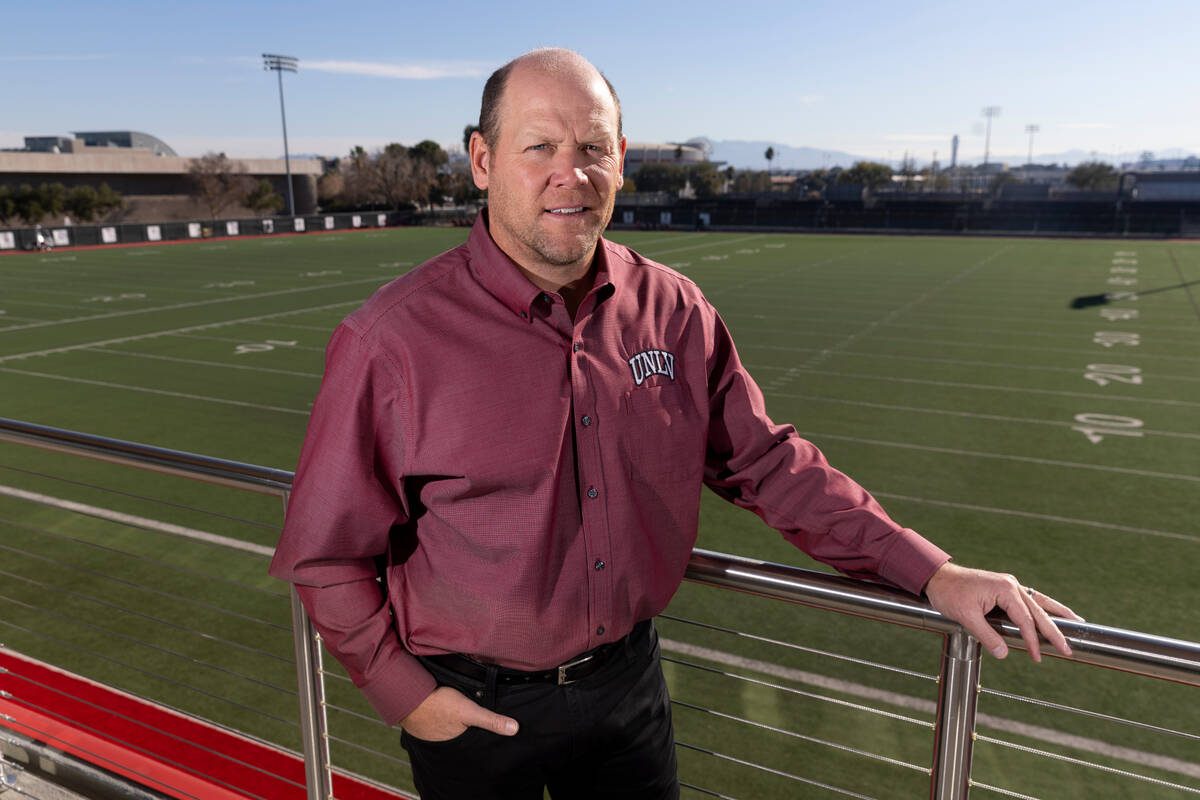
786, 480
346, 500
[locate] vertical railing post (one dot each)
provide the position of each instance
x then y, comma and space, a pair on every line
958, 699
310, 681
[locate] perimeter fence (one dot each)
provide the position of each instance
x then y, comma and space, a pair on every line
151, 587
26, 238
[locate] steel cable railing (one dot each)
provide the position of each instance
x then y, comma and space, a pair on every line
957, 685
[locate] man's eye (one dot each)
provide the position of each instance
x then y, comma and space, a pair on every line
540, 147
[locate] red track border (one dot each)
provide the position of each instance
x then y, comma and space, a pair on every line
173, 753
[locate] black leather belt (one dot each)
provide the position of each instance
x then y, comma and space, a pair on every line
574, 670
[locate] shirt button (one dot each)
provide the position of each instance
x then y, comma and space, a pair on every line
578, 346
586, 420
592, 493
600, 631
599, 565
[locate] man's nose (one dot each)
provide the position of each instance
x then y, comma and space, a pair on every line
569, 163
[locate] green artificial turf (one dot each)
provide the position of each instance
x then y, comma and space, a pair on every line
947, 375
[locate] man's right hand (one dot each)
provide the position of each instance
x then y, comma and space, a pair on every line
448, 712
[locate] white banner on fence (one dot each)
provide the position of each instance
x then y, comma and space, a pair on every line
194, 230
381, 220
627, 216
356, 221
231, 229
268, 226
299, 224
153, 233
7, 240
108, 235
664, 217
61, 237
329, 223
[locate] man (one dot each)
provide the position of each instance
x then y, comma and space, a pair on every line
518, 431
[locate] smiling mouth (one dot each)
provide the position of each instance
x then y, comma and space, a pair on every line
566, 212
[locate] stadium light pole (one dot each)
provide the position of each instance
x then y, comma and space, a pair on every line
1031, 130
989, 112
281, 64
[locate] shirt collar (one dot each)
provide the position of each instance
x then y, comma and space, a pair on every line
497, 273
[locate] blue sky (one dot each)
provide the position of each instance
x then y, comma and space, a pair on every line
871, 78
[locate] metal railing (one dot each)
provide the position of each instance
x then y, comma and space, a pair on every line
958, 681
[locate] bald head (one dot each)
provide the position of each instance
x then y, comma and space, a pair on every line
554, 61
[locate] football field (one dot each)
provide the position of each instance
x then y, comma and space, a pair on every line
950, 376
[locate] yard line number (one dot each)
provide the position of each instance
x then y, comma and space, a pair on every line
1122, 272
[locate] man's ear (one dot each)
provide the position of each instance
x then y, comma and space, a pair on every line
480, 161
621, 163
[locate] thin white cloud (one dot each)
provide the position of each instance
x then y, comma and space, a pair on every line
419, 72
809, 99
1085, 126
63, 57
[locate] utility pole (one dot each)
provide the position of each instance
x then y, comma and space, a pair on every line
281, 64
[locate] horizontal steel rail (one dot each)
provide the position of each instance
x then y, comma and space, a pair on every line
1128, 651
263, 480
1114, 648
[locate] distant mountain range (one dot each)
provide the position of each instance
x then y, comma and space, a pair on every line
749, 155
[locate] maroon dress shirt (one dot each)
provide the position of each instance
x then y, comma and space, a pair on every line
526, 484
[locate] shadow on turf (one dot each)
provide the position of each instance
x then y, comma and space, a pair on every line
1088, 300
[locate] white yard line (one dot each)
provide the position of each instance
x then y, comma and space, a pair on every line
723, 242
139, 522
194, 304
198, 362
163, 392
1090, 354
965, 363
1010, 512
965, 414
1036, 732
995, 388
326, 329
812, 435
873, 326
173, 331
241, 341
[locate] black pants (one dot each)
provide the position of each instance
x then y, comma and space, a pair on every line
606, 736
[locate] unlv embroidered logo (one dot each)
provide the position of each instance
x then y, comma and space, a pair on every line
652, 362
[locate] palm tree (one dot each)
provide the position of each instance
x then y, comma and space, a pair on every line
770, 154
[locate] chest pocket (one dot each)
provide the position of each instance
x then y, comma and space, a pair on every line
662, 442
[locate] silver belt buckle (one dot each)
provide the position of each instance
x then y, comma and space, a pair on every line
562, 670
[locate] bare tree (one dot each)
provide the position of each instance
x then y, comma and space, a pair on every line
219, 182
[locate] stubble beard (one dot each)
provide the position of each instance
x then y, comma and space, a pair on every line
557, 251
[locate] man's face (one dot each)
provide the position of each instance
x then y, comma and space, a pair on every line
554, 172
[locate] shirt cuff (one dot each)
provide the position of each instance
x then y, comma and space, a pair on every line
911, 561
399, 687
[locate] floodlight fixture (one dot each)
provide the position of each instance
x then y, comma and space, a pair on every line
281, 64
1031, 130
989, 112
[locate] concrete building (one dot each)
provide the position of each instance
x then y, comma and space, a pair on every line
144, 169
684, 154
83, 141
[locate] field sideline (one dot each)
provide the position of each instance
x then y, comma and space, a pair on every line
949, 376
